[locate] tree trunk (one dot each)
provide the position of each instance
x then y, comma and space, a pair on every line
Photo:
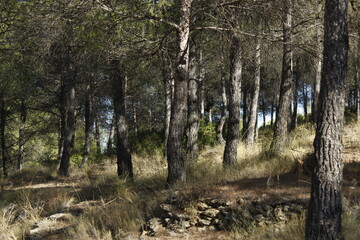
62, 121
305, 97
264, 112
192, 147
232, 138
357, 67
135, 118
220, 126
3, 137
245, 116
210, 114
124, 162
69, 79
168, 76
318, 75
324, 215
97, 135
110, 143
175, 151
282, 114
250, 136
295, 102
202, 84
23, 116
89, 122
272, 114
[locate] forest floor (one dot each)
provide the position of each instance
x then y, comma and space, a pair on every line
94, 204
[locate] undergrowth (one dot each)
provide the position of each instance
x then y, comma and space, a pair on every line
127, 204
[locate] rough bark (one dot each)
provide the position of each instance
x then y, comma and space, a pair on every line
135, 118
357, 80
110, 143
305, 99
202, 84
89, 122
168, 76
318, 75
295, 102
210, 114
175, 151
324, 215
272, 114
23, 117
282, 114
69, 79
220, 126
250, 136
245, 115
192, 147
232, 138
4, 155
97, 135
62, 121
124, 162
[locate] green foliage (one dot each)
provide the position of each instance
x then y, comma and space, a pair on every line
207, 133
350, 115
147, 142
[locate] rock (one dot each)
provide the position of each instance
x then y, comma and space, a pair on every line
215, 203
173, 199
240, 201
152, 226
246, 214
259, 218
167, 207
298, 208
212, 228
212, 212
204, 222
286, 208
61, 217
201, 206
181, 216
186, 224
46, 229
279, 215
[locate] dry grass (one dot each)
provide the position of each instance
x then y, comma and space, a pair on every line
126, 204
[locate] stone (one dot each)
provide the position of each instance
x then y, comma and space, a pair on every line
212, 228
215, 203
180, 215
186, 224
168, 208
61, 217
279, 214
259, 218
201, 206
246, 214
240, 201
173, 199
212, 212
152, 226
286, 208
204, 222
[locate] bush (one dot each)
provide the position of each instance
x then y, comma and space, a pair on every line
207, 133
147, 142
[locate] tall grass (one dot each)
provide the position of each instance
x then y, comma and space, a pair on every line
127, 204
